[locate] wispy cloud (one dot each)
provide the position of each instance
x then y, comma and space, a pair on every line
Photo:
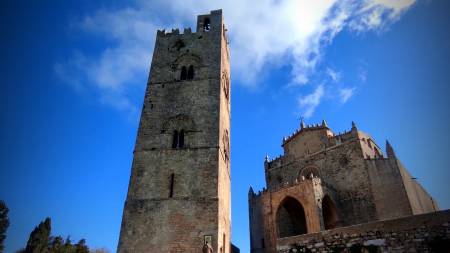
345, 94
377, 14
333, 74
263, 34
309, 103
362, 74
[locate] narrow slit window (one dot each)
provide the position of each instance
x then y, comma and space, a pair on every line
171, 183
181, 139
175, 139
190, 73
263, 244
183, 74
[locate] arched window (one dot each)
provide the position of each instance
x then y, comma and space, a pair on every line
183, 74
206, 25
309, 172
329, 213
291, 218
190, 73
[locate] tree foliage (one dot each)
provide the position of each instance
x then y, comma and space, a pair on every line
4, 223
39, 237
40, 241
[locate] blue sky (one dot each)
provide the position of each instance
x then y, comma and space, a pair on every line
74, 73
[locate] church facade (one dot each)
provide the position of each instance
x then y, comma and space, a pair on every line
325, 181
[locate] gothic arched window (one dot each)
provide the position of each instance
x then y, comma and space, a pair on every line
184, 73
190, 73
309, 172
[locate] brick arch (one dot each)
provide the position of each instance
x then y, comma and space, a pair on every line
290, 218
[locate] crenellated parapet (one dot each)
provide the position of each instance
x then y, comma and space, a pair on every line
175, 32
304, 128
275, 162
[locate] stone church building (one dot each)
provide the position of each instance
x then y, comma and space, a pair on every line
326, 180
178, 198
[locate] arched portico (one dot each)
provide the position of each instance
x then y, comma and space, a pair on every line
290, 218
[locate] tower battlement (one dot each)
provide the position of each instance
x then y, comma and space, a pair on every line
207, 23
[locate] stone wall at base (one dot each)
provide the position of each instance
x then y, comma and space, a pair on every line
419, 233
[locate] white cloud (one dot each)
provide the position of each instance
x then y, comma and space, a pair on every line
263, 33
362, 74
376, 14
309, 103
345, 94
333, 74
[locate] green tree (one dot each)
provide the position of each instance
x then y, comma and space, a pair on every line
4, 223
40, 241
81, 247
39, 238
56, 244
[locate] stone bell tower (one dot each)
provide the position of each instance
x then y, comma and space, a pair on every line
179, 191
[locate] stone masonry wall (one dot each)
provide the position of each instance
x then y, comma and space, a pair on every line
179, 194
420, 233
343, 168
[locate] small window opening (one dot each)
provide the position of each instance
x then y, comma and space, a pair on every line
172, 180
190, 73
263, 243
181, 139
183, 73
175, 139
178, 139
206, 25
